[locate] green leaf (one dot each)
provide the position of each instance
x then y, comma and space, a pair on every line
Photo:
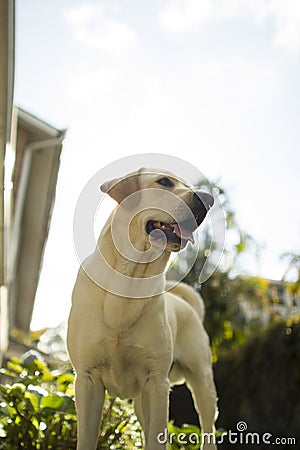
35, 423
34, 399
52, 401
15, 366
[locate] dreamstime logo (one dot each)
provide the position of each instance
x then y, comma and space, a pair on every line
242, 436
239, 436
127, 221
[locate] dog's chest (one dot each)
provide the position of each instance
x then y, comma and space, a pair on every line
124, 366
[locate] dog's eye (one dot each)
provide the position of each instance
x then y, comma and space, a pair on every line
165, 182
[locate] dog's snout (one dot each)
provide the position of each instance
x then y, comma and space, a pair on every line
203, 198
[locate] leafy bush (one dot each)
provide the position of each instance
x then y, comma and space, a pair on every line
37, 411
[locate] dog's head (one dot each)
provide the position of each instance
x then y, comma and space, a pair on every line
161, 205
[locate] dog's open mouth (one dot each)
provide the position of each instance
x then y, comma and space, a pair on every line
174, 232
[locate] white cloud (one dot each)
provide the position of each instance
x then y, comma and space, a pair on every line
186, 15
286, 15
96, 26
190, 15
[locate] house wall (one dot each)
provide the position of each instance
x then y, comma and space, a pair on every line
4, 57
7, 20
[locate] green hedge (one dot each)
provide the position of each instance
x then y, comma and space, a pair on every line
260, 383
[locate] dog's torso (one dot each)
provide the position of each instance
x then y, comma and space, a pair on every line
114, 338
139, 342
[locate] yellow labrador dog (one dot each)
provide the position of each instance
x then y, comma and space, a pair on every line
129, 332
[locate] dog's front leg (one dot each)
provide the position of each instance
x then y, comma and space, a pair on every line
89, 398
155, 405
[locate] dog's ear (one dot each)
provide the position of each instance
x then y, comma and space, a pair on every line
121, 188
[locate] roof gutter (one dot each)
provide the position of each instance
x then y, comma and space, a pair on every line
29, 150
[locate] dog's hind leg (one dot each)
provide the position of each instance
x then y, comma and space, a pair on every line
204, 394
89, 397
197, 368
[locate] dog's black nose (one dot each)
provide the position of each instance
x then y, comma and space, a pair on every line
203, 197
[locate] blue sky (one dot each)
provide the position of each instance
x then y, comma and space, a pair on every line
213, 82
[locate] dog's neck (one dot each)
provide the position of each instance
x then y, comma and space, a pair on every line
125, 289
125, 252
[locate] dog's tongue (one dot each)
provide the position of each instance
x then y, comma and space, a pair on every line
183, 233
